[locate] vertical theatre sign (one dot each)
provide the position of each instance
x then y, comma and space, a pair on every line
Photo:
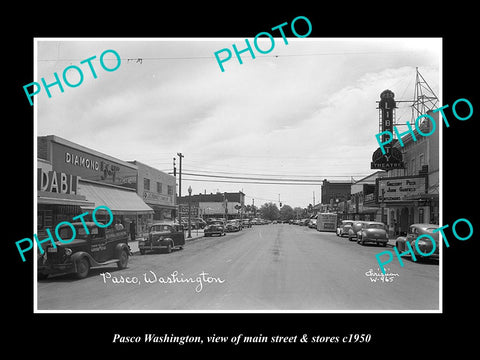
392, 159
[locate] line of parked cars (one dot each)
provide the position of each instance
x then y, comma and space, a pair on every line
221, 227
311, 223
376, 232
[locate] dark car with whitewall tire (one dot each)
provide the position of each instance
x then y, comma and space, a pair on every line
92, 247
373, 232
164, 237
233, 226
354, 230
425, 245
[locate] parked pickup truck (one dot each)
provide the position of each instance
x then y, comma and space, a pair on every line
163, 236
98, 247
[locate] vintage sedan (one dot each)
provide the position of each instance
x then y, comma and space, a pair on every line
373, 232
247, 223
345, 225
233, 225
215, 228
162, 236
312, 223
354, 229
92, 246
425, 245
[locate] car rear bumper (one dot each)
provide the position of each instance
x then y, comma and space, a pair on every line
374, 240
152, 246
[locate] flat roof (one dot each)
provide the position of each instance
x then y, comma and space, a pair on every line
65, 142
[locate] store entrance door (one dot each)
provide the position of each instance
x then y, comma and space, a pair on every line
404, 220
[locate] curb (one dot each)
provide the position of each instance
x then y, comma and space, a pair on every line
134, 244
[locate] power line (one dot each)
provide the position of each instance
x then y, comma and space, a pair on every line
284, 174
247, 178
254, 182
141, 59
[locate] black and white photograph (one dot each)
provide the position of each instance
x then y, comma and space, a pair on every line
238, 175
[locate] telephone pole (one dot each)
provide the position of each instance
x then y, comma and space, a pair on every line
180, 155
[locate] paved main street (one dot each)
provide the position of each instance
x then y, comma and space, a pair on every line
268, 267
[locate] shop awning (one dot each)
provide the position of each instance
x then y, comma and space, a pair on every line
163, 207
56, 201
51, 198
118, 200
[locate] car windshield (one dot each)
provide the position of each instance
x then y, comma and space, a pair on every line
375, 226
65, 232
348, 224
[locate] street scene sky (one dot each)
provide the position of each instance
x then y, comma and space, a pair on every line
305, 111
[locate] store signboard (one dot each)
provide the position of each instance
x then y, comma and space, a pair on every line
91, 166
183, 208
392, 159
56, 182
396, 189
155, 198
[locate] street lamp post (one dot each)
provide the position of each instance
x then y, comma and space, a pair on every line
189, 212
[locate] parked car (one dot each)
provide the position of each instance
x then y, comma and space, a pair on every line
345, 225
163, 236
425, 246
213, 228
101, 246
312, 223
354, 229
247, 223
373, 232
233, 225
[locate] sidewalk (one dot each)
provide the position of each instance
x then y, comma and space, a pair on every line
195, 235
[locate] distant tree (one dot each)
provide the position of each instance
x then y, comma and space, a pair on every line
298, 212
287, 213
270, 211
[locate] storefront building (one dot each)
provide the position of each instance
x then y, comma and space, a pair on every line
157, 189
362, 204
101, 180
58, 198
411, 195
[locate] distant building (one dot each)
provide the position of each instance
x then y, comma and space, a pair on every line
218, 205
411, 195
334, 192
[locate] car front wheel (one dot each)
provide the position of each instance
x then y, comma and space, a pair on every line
123, 261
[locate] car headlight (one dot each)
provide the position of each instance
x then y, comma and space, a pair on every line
68, 251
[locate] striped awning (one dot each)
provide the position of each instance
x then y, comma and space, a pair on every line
119, 200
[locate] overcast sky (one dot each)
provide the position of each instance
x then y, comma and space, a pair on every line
306, 110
